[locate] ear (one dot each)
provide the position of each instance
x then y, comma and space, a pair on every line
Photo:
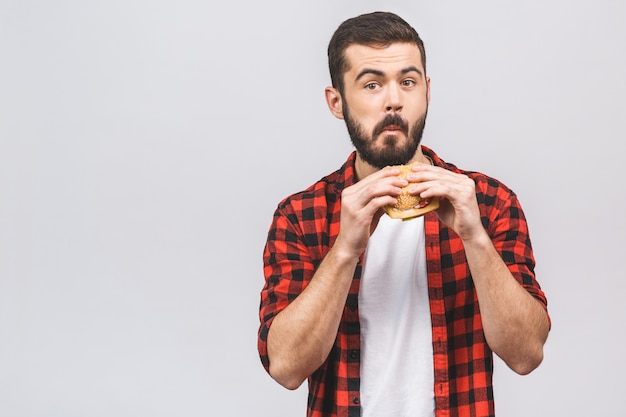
428, 90
334, 102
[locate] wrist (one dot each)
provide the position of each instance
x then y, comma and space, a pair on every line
343, 253
478, 239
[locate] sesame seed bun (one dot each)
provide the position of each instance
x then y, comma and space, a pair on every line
409, 206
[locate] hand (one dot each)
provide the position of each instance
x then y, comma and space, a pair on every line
458, 208
361, 208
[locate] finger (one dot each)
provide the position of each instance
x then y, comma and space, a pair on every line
380, 174
456, 192
424, 172
436, 181
364, 191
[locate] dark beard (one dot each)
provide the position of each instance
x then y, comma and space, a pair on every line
390, 154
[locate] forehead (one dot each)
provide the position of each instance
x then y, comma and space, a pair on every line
388, 58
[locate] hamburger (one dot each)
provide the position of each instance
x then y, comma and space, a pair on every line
409, 206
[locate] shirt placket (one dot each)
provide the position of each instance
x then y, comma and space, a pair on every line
438, 316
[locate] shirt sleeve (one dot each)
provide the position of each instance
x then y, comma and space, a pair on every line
287, 267
508, 229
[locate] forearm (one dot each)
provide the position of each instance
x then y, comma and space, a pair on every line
515, 323
302, 335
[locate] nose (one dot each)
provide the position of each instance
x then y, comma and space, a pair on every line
394, 99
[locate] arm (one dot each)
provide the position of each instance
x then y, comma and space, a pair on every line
303, 333
514, 322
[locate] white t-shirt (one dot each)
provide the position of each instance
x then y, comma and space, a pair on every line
397, 373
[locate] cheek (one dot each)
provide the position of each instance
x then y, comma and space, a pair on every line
419, 106
366, 102
369, 123
373, 107
366, 118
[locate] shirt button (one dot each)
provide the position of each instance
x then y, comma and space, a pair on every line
356, 400
353, 354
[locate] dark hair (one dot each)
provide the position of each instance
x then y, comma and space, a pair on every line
371, 29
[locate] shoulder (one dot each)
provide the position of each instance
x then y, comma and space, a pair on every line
311, 216
322, 193
485, 184
497, 202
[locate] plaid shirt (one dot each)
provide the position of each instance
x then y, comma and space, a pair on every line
304, 227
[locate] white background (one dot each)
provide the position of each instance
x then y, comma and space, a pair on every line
145, 144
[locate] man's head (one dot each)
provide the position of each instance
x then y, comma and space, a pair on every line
378, 29
379, 87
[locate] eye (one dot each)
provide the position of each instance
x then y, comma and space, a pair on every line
408, 83
371, 86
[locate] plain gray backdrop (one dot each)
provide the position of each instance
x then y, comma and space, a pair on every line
145, 144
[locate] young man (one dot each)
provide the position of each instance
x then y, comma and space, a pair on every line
386, 317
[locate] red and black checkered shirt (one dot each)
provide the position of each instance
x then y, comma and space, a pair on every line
304, 227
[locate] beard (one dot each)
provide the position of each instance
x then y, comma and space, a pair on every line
390, 152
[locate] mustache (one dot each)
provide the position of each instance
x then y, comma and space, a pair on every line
391, 120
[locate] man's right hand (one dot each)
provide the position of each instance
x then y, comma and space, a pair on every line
361, 208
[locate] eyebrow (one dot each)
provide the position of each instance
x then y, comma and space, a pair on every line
379, 73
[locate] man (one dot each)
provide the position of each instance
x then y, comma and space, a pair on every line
386, 317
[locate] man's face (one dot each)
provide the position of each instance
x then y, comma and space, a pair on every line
385, 102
